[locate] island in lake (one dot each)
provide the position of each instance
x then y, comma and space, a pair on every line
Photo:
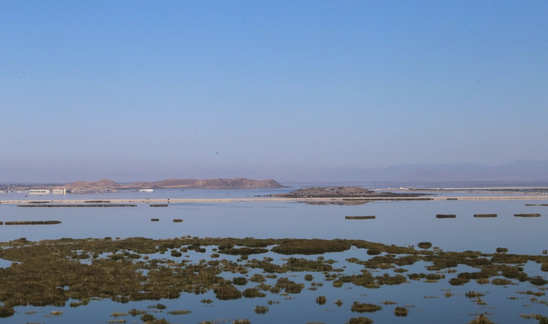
342, 192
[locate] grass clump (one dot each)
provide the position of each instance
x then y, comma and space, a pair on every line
261, 310
365, 307
481, 319
253, 293
179, 312
360, 320
501, 282
242, 321
446, 216
527, 215
6, 311
147, 318
227, 292
314, 246
400, 311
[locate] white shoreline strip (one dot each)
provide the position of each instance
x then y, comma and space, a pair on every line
269, 199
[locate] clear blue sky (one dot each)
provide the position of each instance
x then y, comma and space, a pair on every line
146, 90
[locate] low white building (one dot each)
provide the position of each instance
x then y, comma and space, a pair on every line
58, 191
146, 190
39, 191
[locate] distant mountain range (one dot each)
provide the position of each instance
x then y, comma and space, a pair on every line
524, 171
515, 172
106, 184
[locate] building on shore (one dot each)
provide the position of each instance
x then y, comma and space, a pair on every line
39, 191
59, 191
146, 190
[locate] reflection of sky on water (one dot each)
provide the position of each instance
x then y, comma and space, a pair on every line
400, 223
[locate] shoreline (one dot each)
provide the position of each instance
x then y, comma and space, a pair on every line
270, 199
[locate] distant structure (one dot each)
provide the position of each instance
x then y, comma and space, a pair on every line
62, 191
146, 190
39, 191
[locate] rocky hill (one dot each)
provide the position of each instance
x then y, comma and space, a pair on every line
108, 185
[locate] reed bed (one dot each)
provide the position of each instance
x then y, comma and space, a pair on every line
527, 215
446, 216
359, 217
485, 215
158, 205
177, 220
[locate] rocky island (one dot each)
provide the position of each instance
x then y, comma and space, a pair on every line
342, 192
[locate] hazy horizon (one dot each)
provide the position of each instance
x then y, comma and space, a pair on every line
142, 91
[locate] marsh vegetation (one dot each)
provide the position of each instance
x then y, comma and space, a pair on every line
128, 270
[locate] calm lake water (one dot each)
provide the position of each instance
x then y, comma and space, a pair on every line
400, 223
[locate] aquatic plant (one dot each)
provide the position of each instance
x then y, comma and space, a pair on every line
481, 319
50, 222
227, 292
365, 307
261, 310
474, 294
360, 320
320, 300
6, 311
177, 220
253, 293
359, 217
485, 215
501, 282
502, 250
147, 317
289, 286
242, 321
446, 216
313, 246
424, 245
135, 312
400, 311
458, 281
179, 312
154, 219
527, 215
538, 281
239, 281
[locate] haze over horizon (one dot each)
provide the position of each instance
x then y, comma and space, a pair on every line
289, 90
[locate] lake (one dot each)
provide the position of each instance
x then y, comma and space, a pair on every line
402, 223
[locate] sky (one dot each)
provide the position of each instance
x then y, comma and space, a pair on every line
149, 90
